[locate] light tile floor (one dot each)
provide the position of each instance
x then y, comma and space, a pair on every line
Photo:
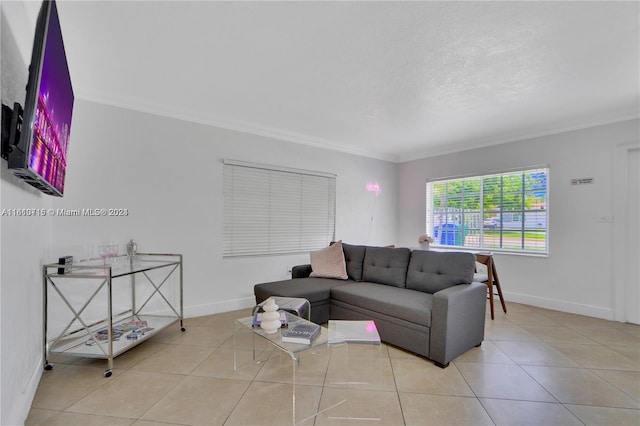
535, 367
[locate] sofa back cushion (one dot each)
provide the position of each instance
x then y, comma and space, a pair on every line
432, 271
329, 262
384, 265
354, 258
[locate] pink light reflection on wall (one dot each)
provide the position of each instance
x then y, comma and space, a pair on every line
374, 187
371, 327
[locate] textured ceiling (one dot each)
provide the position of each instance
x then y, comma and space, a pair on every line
389, 80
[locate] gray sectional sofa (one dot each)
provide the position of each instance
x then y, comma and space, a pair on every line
421, 301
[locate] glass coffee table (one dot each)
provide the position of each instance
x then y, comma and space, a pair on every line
294, 350
338, 333
294, 305
349, 331
349, 338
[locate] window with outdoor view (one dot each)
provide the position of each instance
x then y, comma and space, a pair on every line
504, 211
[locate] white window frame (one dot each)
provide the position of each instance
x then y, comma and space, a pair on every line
484, 229
276, 210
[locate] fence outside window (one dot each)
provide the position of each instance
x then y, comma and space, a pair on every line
503, 211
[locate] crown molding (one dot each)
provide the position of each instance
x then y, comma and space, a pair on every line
444, 148
227, 124
531, 133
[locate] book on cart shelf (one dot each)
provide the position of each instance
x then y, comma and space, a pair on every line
303, 333
257, 319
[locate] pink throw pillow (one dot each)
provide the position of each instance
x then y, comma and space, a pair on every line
329, 262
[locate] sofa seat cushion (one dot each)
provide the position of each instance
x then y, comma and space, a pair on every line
409, 305
432, 271
385, 265
312, 289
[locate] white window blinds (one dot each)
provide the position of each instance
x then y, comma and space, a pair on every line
271, 210
503, 211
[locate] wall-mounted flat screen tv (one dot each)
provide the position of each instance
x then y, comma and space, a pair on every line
40, 157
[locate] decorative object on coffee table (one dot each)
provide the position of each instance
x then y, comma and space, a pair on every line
270, 317
294, 305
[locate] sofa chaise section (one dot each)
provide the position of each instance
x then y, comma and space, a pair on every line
316, 290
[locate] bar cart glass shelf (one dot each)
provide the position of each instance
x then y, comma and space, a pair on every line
100, 309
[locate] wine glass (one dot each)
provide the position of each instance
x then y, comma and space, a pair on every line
113, 251
104, 250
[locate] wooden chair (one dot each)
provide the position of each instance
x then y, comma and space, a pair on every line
490, 279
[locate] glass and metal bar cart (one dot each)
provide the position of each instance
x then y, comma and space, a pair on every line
100, 308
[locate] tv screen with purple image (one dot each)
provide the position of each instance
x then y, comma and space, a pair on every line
41, 157
52, 120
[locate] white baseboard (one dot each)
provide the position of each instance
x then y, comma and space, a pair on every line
540, 302
21, 403
560, 305
219, 307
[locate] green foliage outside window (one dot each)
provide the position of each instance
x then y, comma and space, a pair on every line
498, 211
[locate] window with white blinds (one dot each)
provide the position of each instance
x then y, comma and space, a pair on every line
503, 211
271, 210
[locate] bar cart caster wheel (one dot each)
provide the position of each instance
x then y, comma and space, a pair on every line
108, 373
183, 328
48, 367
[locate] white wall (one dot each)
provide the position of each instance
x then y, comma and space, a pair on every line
577, 274
25, 244
168, 174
